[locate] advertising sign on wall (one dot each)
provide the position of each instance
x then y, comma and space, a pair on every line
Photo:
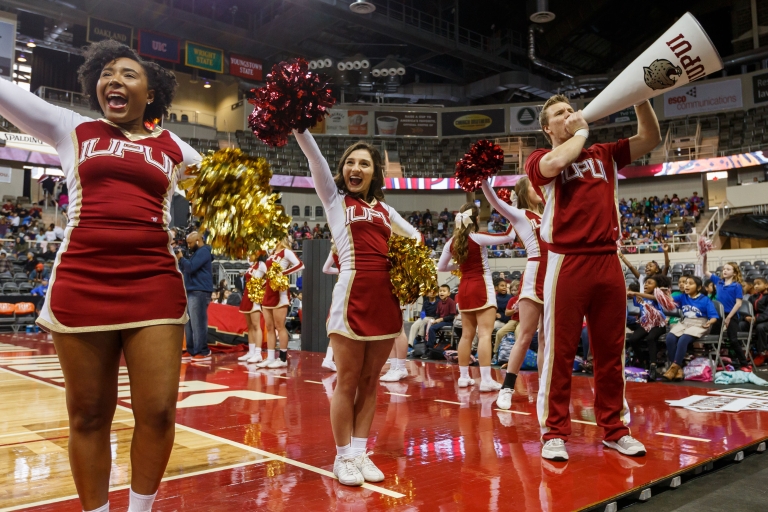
204, 57
343, 122
760, 87
98, 30
159, 46
245, 67
5, 174
703, 97
7, 44
524, 119
403, 124
473, 122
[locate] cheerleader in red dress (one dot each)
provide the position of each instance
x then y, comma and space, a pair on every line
276, 303
330, 267
252, 312
365, 313
525, 217
476, 299
115, 289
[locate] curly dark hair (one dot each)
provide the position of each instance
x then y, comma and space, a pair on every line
159, 79
377, 181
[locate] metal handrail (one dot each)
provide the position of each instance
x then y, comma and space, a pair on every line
712, 227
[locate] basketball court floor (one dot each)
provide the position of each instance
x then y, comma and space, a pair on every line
250, 439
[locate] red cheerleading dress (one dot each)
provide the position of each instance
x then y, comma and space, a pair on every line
290, 264
527, 225
257, 271
115, 268
364, 306
476, 286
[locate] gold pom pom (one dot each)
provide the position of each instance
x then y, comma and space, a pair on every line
256, 288
413, 272
277, 280
232, 195
456, 272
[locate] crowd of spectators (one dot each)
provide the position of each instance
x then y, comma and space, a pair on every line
651, 221
306, 232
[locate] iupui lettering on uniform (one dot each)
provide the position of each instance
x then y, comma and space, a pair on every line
117, 148
578, 169
368, 214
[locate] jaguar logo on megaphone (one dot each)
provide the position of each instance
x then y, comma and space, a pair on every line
682, 54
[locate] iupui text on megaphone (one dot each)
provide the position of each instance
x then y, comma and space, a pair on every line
684, 53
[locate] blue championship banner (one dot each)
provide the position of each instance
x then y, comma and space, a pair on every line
159, 46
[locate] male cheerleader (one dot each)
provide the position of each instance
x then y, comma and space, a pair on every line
584, 279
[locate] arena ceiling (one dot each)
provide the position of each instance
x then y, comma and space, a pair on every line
486, 60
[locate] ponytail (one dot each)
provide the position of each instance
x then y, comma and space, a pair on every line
461, 232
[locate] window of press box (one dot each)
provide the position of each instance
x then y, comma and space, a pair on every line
318, 211
307, 211
295, 211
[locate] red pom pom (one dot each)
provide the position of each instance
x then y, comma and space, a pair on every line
482, 161
293, 99
505, 195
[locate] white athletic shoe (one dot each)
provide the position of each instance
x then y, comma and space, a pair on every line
627, 445
265, 363
490, 385
504, 400
394, 375
245, 357
345, 469
255, 357
368, 469
329, 365
463, 383
277, 363
554, 449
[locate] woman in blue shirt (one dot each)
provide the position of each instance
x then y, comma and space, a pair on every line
729, 294
699, 314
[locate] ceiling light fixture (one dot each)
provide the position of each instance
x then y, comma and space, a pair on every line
362, 7
21, 58
207, 85
31, 44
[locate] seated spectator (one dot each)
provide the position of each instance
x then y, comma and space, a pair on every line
39, 274
4, 267
642, 338
759, 301
502, 298
30, 263
14, 219
60, 233
446, 311
511, 312
50, 234
41, 289
426, 317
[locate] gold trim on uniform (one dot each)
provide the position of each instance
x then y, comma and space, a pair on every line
60, 328
550, 347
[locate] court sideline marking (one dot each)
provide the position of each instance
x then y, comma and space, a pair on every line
272, 456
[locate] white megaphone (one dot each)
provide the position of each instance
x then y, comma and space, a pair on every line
681, 55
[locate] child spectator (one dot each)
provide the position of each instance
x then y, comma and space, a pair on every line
446, 311
759, 301
652, 324
698, 315
41, 289
730, 294
426, 317
502, 298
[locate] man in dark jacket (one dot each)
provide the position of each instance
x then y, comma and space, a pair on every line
198, 280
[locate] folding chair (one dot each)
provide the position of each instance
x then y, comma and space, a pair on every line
716, 339
744, 311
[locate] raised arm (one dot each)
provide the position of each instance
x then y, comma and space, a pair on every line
648, 132
328, 267
629, 265
665, 268
513, 214
296, 263
705, 270
35, 116
321, 173
445, 264
494, 238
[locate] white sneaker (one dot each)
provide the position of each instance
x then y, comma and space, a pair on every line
277, 363
255, 358
265, 363
345, 469
490, 385
627, 445
245, 357
394, 375
463, 383
329, 365
368, 469
504, 400
554, 449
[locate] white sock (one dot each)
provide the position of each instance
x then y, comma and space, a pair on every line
251, 349
329, 354
271, 355
344, 451
358, 445
391, 361
464, 372
485, 373
103, 508
140, 502
401, 364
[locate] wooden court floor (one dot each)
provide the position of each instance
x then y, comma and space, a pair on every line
249, 439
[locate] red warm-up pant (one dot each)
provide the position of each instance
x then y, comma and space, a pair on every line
578, 286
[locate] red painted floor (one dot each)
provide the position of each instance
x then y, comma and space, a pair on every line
441, 456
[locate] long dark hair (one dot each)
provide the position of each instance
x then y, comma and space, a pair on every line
460, 247
375, 191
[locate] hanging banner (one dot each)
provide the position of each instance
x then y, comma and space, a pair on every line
98, 30
159, 46
760, 88
7, 44
204, 57
524, 119
343, 122
404, 124
245, 67
703, 97
5, 174
627, 115
473, 122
